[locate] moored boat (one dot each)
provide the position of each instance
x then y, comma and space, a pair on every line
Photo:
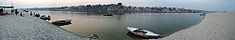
62, 22
202, 14
142, 33
37, 15
45, 18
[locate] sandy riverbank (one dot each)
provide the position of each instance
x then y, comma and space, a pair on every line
14, 27
215, 26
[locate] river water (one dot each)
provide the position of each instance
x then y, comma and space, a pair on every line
114, 27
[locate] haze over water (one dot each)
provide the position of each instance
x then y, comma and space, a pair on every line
113, 27
211, 5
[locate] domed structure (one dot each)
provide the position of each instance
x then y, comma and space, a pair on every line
119, 4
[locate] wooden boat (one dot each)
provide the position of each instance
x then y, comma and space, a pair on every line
37, 15
142, 33
45, 18
62, 22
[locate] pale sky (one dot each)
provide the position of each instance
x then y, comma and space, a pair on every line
214, 5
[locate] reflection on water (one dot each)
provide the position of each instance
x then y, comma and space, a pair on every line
114, 27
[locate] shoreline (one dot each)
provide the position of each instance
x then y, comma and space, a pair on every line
214, 26
14, 27
119, 12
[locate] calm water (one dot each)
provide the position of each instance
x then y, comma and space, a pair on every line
114, 27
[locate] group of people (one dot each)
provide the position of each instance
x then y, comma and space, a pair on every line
17, 12
43, 17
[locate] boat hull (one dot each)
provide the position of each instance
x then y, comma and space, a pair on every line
142, 35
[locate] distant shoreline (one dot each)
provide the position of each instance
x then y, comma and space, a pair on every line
93, 12
120, 8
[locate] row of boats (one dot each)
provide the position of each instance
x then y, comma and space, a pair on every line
59, 22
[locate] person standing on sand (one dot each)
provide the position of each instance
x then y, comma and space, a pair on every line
16, 12
31, 13
21, 14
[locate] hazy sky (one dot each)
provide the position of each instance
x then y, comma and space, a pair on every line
217, 5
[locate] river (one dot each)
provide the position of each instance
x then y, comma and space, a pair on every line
114, 27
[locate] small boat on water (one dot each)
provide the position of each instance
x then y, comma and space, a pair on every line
108, 15
142, 33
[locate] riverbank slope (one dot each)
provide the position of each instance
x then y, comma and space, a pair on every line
215, 26
14, 27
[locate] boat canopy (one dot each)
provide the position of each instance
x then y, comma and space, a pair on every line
6, 6
149, 33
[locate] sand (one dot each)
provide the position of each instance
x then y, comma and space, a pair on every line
14, 27
215, 26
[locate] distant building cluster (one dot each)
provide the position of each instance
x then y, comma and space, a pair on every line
121, 8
